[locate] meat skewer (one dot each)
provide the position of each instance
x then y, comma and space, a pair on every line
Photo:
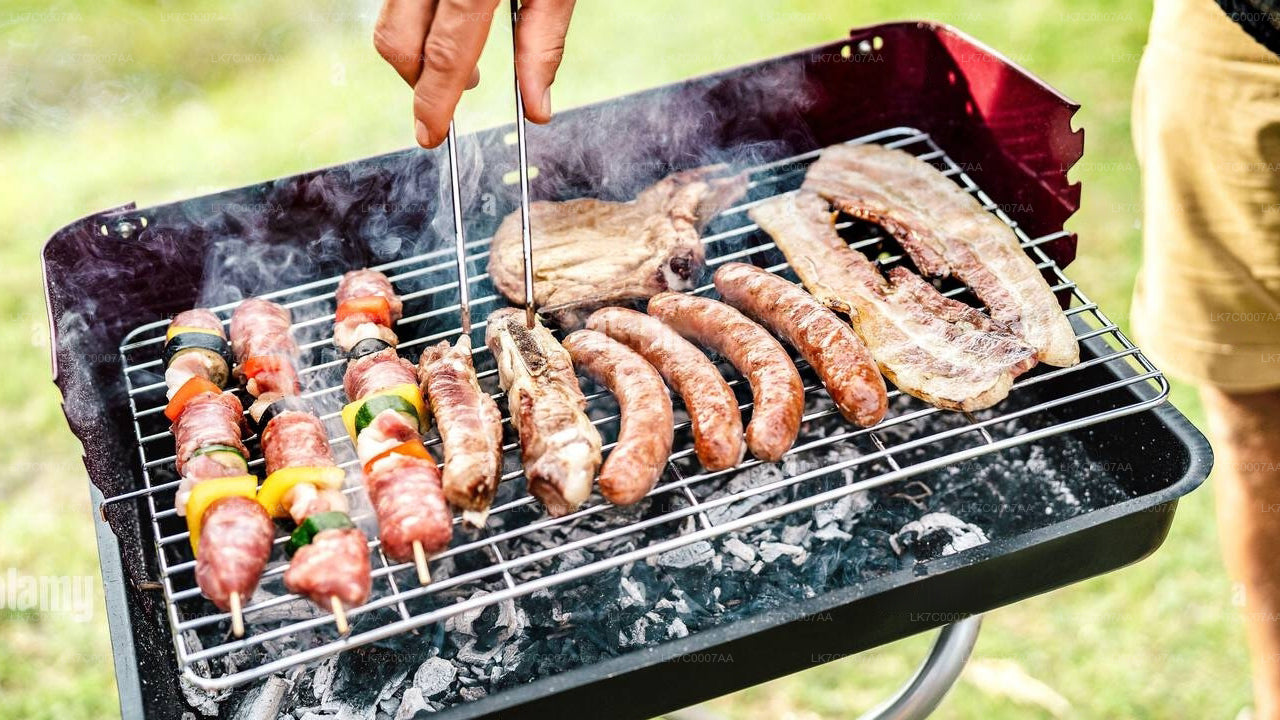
230, 533
330, 555
559, 446
713, 410
646, 426
776, 389
384, 418
827, 343
470, 427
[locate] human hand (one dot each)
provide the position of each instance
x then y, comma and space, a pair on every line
435, 45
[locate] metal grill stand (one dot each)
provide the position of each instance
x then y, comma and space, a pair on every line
906, 443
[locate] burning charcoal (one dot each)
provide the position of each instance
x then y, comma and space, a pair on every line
263, 703
677, 629
433, 678
322, 680
937, 534
410, 704
471, 694
687, 555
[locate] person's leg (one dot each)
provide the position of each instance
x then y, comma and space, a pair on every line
1245, 431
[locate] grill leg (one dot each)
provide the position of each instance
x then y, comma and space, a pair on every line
922, 693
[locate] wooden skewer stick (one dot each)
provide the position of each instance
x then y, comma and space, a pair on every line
420, 559
237, 616
339, 615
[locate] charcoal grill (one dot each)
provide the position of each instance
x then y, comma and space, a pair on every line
114, 278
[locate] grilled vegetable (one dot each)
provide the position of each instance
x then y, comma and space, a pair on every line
413, 448
191, 388
279, 483
374, 309
405, 399
206, 342
206, 492
367, 346
314, 525
224, 455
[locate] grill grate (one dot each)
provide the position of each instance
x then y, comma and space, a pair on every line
284, 630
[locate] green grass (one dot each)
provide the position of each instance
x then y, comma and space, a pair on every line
106, 102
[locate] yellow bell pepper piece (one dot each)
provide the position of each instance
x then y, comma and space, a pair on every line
206, 492
178, 330
279, 483
408, 391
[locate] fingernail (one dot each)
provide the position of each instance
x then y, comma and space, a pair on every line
423, 135
546, 103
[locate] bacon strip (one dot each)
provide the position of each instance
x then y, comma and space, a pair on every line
937, 349
947, 232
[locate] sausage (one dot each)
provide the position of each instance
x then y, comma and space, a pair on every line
410, 505
377, 371
334, 564
235, 544
469, 421
647, 425
369, 283
776, 389
713, 410
296, 439
207, 419
260, 327
829, 344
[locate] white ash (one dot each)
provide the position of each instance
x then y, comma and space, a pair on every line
677, 629
410, 704
962, 535
795, 534
264, 703
434, 677
687, 555
739, 549
633, 591
830, 533
771, 551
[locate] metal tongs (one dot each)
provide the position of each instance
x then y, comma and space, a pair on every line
464, 291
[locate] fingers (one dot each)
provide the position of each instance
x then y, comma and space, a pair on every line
452, 48
540, 37
401, 32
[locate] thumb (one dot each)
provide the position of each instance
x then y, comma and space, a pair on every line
540, 35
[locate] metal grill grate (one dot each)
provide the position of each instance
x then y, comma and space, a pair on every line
509, 558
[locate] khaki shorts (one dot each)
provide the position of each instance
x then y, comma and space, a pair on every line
1206, 125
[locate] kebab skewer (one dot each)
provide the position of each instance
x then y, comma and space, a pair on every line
384, 419
230, 533
330, 555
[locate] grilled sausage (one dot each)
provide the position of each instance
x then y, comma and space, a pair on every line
829, 344
235, 543
355, 325
296, 439
334, 564
713, 410
410, 505
377, 371
776, 389
646, 427
470, 425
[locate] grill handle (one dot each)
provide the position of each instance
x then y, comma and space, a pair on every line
921, 694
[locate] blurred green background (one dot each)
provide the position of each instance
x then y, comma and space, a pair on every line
105, 101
